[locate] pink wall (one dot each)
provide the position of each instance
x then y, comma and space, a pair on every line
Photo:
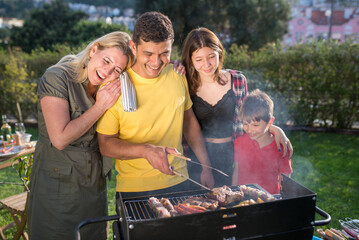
301, 28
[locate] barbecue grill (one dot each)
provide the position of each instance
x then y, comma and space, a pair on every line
290, 216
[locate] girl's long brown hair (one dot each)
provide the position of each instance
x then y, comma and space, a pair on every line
196, 39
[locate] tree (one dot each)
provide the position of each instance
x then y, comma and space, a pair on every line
4, 35
256, 22
16, 85
85, 31
46, 26
251, 22
14, 8
187, 14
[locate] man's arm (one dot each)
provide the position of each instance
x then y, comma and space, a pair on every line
193, 135
112, 146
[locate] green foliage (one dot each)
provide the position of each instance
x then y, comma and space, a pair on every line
122, 4
84, 31
34, 65
4, 35
46, 26
310, 83
40, 59
23, 168
56, 24
17, 87
255, 22
250, 22
14, 8
185, 15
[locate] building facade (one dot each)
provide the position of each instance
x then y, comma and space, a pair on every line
312, 23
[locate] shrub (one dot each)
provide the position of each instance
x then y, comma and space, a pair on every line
313, 82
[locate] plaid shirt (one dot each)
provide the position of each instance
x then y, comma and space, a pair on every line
240, 91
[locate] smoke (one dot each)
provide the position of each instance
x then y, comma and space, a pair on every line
256, 79
304, 172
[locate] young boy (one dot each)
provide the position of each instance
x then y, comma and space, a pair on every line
257, 159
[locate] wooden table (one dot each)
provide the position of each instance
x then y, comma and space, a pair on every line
5, 161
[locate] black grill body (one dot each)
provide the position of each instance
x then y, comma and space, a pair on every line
292, 216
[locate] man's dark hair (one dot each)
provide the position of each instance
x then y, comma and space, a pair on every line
153, 27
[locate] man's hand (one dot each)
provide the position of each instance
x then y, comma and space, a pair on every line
157, 157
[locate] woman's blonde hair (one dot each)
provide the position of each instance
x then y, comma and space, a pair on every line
74, 64
195, 40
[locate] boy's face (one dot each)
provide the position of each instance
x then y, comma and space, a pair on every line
151, 57
256, 130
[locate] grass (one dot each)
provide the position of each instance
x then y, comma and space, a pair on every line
326, 163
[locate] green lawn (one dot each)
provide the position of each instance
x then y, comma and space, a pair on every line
326, 163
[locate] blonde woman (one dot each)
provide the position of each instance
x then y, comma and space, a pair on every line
68, 184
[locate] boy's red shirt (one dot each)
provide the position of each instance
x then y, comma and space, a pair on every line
261, 166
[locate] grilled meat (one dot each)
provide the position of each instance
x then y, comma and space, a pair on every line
168, 205
256, 193
202, 202
181, 211
224, 195
158, 208
191, 209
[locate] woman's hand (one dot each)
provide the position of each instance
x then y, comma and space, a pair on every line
108, 94
281, 139
178, 67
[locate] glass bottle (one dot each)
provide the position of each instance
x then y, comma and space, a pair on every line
5, 129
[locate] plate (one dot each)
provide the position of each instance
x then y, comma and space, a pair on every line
14, 151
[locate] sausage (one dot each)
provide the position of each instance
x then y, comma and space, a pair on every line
181, 210
190, 209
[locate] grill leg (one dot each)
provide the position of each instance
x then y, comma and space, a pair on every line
116, 229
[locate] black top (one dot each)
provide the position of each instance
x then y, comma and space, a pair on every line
216, 121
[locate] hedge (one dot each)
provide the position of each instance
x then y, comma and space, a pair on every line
316, 83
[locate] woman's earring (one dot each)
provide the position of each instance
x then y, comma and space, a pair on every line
86, 62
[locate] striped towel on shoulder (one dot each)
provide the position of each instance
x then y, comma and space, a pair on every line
128, 93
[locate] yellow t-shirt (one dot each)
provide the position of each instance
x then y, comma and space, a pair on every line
158, 120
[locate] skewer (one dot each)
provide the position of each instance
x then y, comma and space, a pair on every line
203, 165
183, 176
181, 156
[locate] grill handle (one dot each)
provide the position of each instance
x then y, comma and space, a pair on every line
322, 213
93, 220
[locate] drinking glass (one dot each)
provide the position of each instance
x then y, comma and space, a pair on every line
19, 128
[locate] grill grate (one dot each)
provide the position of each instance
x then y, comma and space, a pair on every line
139, 210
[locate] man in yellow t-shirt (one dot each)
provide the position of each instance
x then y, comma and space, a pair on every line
141, 140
